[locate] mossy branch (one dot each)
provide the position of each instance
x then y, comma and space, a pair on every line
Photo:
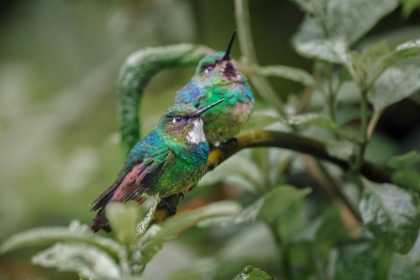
135, 74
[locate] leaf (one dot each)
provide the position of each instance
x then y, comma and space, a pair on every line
144, 224
327, 227
334, 51
390, 213
74, 233
290, 73
406, 267
171, 229
408, 179
198, 269
409, 6
340, 149
239, 170
403, 268
395, 84
123, 218
84, 259
252, 273
270, 205
247, 215
404, 51
404, 161
279, 199
316, 8
320, 121
261, 119
356, 261
345, 19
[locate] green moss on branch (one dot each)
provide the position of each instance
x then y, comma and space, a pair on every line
135, 74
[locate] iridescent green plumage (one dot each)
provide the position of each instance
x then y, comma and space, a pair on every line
216, 77
170, 160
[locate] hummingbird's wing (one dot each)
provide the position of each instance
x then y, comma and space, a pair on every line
189, 94
133, 184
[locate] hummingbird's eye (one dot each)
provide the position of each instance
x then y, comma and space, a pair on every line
177, 119
207, 68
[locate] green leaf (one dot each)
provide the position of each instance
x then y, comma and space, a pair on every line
409, 6
198, 269
408, 179
247, 215
390, 213
406, 267
340, 149
316, 8
239, 170
252, 273
269, 206
320, 121
395, 84
365, 63
403, 268
345, 19
144, 224
261, 119
404, 51
135, 74
84, 259
334, 51
356, 261
404, 161
279, 200
172, 228
290, 73
123, 218
327, 227
74, 233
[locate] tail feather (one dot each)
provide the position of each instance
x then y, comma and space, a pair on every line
100, 222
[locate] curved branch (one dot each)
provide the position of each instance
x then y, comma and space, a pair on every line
135, 74
293, 142
285, 140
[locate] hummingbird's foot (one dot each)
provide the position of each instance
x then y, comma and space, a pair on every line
181, 195
212, 147
229, 142
171, 209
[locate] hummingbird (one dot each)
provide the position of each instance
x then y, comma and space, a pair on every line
217, 77
170, 160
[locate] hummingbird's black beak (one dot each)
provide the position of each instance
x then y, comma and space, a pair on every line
198, 113
227, 53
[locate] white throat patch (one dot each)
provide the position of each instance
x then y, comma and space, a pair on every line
196, 134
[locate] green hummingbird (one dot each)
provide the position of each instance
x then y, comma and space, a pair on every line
217, 77
170, 160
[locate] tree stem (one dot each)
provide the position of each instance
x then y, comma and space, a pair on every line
246, 44
363, 127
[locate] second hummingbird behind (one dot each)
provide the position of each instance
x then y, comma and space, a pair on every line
217, 77
171, 159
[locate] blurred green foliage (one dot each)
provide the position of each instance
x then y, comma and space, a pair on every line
290, 215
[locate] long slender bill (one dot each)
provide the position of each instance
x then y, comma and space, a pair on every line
227, 54
202, 110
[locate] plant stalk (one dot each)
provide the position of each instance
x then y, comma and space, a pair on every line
246, 44
363, 128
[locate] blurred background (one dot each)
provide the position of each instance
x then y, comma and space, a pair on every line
59, 145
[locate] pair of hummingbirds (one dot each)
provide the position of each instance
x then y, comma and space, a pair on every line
172, 158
